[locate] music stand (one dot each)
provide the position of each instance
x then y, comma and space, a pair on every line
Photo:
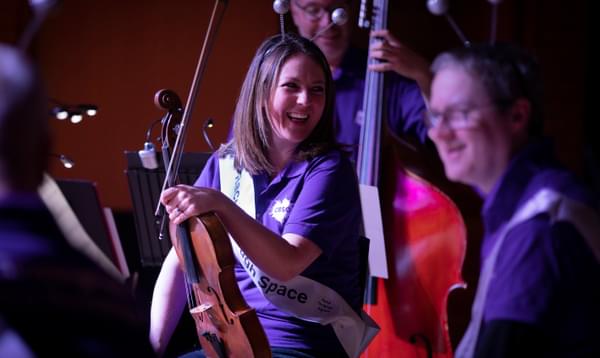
145, 186
82, 196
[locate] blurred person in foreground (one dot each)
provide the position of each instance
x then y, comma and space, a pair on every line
54, 301
538, 290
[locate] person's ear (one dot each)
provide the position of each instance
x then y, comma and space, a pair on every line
520, 115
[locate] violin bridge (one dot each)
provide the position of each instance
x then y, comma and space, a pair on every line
209, 311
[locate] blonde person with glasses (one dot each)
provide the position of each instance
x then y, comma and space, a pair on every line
407, 73
538, 290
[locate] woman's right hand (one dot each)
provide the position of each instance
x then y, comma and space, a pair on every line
183, 201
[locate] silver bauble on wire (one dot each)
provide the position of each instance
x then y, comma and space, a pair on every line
437, 7
339, 16
281, 6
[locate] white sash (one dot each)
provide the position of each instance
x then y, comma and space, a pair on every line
559, 208
304, 298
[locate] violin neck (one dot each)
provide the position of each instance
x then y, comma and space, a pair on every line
190, 262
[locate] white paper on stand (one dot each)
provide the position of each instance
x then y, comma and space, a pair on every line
373, 226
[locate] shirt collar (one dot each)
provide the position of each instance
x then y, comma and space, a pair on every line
292, 169
507, 193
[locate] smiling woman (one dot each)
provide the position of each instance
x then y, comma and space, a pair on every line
297, 106
288, 197
297, 79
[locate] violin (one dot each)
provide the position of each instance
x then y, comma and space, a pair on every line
225, 325
424, 234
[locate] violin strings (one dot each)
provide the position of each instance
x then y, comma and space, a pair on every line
191, 299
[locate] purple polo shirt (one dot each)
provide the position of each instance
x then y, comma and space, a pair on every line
404, 103
546, 274
317, 199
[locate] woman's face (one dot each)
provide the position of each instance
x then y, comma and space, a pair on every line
297, 102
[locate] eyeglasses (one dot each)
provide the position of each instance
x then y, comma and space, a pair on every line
315, 12
455, 118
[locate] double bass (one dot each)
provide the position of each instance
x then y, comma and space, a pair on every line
425, 236
225, 325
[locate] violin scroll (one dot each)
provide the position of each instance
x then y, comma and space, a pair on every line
169, 101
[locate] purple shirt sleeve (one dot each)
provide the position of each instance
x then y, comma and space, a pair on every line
209, 177
530, 271
546, 275
328, 204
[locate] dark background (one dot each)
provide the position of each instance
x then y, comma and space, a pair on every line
117, 54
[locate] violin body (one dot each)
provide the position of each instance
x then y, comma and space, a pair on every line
226, 326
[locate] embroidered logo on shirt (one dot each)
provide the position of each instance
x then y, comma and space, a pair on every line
281, 209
